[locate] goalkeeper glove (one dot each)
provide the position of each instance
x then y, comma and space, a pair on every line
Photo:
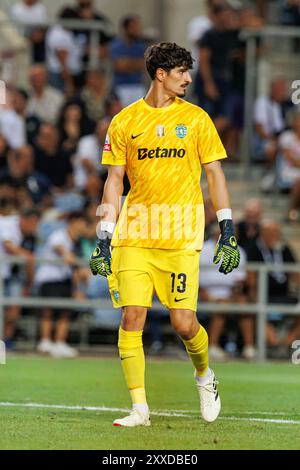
227, 248
100, 261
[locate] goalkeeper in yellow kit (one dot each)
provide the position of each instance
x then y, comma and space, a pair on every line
162, 142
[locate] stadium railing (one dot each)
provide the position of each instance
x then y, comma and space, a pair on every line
260, 308
94, 26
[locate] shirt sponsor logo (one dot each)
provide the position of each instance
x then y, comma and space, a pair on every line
160, 153
107, 148
181, 131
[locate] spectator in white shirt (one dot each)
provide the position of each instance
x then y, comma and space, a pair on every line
289, 166
12, 124
269, 122
64, 54
86, 162
45, 101
32, 14
17, 237
215, 287
55, 280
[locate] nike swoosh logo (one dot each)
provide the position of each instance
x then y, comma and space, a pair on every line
135, 136
179, 300
127, 357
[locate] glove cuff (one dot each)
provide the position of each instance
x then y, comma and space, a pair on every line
103, 235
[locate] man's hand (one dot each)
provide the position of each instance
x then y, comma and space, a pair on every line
227, 248
100, 261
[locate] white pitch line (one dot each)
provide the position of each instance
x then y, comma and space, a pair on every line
87, 408
261, 420
165, 413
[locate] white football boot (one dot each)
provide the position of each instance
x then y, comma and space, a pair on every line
61, 350
135, 418
210, 403
44, 346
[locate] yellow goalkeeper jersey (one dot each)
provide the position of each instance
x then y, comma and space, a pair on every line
163, 150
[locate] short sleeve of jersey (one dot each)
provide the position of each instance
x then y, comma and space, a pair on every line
210, 147
114, 150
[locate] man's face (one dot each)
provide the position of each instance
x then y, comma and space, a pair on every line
177, 81
134, 29
38, 77
279, 90
271, 234
47, 136
29, 225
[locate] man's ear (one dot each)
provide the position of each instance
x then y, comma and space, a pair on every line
160, 74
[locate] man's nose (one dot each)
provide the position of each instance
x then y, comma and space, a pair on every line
188, 77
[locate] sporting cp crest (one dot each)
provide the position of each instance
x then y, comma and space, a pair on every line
116, 295
181, 131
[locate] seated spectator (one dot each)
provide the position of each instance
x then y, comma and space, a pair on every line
55, 280
64, 53
33, 14
22, 174
85, 11
18, 238
247, 230
94, 94
215, 287
31, 122
269, 248
289, 166
87, 158
4, 148
50, 159
127, 54
8, 197
73, 124
12, 124
269, 122
44, 101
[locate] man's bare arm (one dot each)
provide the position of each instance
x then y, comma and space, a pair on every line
217, 185
113, 190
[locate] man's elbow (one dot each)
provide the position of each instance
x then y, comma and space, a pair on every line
213, 168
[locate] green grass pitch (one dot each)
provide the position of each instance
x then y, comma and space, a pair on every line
260, 406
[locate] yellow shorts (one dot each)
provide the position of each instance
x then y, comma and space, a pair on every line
138, 273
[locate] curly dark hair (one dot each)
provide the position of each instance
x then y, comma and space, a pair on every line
166, 55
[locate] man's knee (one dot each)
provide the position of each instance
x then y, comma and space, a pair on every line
133, 318
186, 328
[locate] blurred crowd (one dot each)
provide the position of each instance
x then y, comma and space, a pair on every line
51, 139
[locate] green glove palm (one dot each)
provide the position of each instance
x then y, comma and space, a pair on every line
100, 261
227, 248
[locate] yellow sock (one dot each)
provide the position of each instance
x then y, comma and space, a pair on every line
133, 363
197, 349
